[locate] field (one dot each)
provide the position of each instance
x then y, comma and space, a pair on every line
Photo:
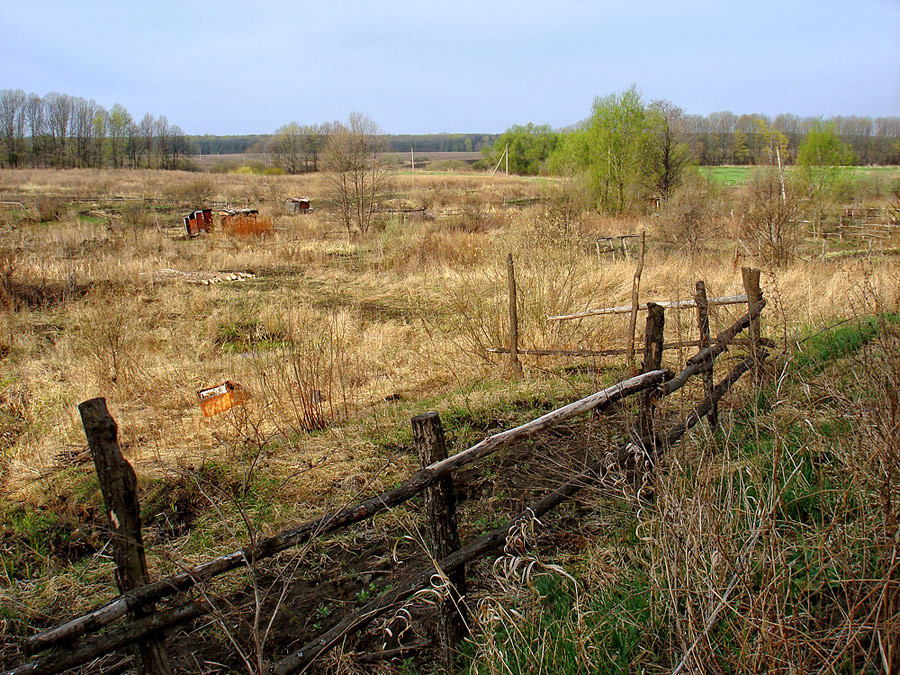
873, 178
340, 341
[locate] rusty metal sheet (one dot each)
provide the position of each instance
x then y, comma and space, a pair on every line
220, 398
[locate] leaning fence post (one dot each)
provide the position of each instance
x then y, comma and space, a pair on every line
443, 533
118, 483
750, 278
513, 319
703, 329
635, 292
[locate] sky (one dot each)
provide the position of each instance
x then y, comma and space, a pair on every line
465, 66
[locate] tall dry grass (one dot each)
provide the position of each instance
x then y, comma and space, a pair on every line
327, 329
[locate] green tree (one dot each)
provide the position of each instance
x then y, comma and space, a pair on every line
821, 156
614, 149
119, 120
822, 147
530, 146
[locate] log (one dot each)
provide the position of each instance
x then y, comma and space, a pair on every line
70, 657
668, 304
703, 359
118, 607
750, 278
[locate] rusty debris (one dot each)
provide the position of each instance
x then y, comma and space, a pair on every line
198, 221
204, 278
220, 398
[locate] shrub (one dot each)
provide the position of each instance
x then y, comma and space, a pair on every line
691, 215
769, 218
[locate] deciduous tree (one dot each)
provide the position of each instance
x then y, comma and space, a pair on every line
354, 172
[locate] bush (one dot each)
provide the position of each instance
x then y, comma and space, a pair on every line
770, 217
692, 214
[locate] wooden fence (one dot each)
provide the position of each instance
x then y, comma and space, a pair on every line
141, 625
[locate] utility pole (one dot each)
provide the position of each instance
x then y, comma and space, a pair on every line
412, 158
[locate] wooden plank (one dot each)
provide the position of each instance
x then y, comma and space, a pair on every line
668, 304
588, 352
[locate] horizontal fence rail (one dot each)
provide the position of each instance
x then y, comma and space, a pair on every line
667, 304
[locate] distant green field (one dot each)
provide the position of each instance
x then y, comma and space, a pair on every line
736, 176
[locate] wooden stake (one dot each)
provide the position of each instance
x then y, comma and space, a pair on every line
703, 330
514, 364
443, 534
118, 483
750, 278
635, 289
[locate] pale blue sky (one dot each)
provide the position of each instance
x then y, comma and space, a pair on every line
465, 66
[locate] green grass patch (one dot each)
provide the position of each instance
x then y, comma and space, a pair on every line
820, 349
549, 630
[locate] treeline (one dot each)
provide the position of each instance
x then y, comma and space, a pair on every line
58, 130
629, 153
226, 145
438, 142
715, 139
726, 138
213, 145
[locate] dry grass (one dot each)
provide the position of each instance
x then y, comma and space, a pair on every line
328, 329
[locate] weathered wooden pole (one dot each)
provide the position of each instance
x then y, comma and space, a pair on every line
514, 363
750, 277
653, 349
635, 292
118, 483
703, 329
443, 534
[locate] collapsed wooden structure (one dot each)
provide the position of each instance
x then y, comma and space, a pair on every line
141, 625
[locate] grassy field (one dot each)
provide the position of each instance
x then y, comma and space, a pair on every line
873, 178
791, 505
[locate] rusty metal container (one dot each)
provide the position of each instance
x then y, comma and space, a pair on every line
220, 398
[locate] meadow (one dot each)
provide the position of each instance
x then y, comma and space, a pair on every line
791, 505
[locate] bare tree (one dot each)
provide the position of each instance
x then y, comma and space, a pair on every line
36, 118
146, 134
354, 172
668, 154
59, 113
12, 115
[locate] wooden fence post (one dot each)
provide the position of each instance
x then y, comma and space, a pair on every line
703, 329
635, 294
118, 483
750, 278
443, 533
653, 349
513, 319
